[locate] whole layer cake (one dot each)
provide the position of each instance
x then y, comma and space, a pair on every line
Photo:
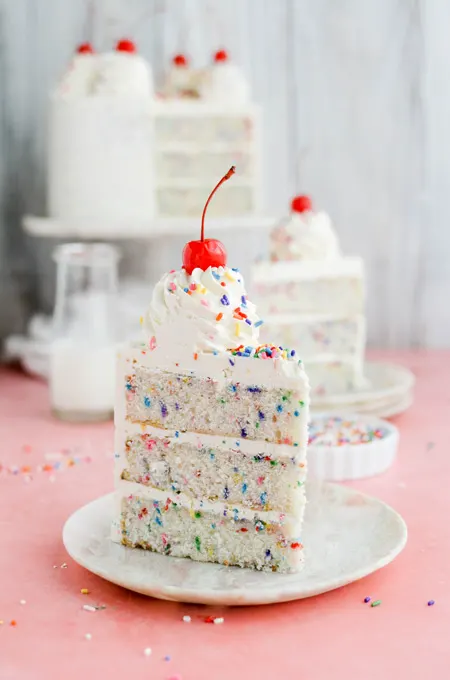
210, 426
119, 151
312, 297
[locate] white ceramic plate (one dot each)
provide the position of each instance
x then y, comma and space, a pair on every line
389, 393
347, 536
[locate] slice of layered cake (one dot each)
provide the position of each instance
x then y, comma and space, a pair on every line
211, 427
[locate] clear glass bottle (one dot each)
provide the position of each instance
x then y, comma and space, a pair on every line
82, 362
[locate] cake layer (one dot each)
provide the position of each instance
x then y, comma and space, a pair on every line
333, 377
203, 124
256, 475
310, 269
317, 335
183, 201
207, 532
337, 296
203, 164
189, 403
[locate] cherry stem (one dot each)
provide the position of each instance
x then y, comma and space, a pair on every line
230, 172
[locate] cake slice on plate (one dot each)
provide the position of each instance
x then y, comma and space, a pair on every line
211, 426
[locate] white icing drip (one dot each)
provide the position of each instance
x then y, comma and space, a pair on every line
306, 236
184, 310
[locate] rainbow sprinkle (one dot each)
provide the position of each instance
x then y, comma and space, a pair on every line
338, 431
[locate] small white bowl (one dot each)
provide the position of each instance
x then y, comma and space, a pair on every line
344, 447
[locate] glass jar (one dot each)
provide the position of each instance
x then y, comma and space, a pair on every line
82, 360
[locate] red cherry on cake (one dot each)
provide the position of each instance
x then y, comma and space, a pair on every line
301, 204
180, 60
85, 48
221, 55
126, 45
204, 254
207, 252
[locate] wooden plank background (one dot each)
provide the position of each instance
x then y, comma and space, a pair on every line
356, 99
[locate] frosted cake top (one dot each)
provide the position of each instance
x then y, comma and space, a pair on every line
207, 310
123, 72
305, 235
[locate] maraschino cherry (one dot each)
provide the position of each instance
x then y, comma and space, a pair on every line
126, 45
301, 204
85, 48
180, 60
207, 252
221, 55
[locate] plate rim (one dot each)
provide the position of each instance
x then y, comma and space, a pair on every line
261, 596
367, 394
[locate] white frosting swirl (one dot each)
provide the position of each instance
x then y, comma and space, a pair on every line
121, 73
225, 82
306, 236
112, 73
183, 81
206, 311
79, 79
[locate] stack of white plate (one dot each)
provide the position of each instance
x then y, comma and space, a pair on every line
390, 392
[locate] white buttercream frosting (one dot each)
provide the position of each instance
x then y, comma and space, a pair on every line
79, 79
122, 73
112, 73
225, 82
183, 81
305, 236
207, 311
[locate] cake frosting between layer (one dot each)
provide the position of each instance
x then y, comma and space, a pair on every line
210, 430
305, 236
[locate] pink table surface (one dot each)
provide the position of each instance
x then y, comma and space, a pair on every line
331, 636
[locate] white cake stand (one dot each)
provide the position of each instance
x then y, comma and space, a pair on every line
347, 536
390, 392
153, 228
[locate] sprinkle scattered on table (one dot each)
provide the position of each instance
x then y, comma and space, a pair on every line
84, 591
375, 603
88, 636
367, 599
187, 619
430, 603
147, 651
56, 461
